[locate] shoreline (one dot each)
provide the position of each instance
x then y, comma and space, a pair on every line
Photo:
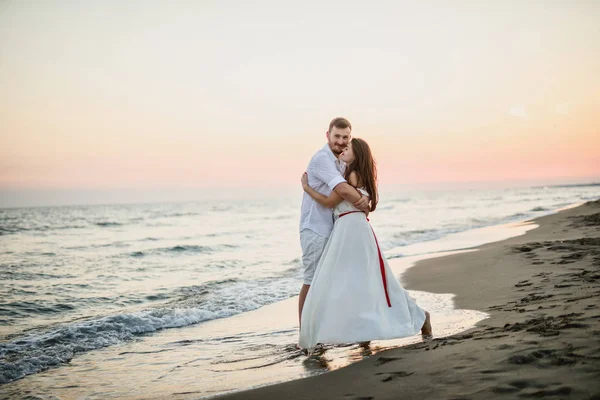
540, 290
254, 351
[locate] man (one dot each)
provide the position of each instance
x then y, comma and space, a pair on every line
325, 174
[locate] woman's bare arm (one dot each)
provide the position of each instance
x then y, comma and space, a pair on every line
343, 191
326, 201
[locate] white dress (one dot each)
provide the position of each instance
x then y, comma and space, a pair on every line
347, 300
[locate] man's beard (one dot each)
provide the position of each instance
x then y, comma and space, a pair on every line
334, 149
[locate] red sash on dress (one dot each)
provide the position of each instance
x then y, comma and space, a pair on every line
381, 264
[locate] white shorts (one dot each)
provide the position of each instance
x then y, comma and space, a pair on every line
313, 245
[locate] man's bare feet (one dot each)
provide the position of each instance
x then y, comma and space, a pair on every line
426, 329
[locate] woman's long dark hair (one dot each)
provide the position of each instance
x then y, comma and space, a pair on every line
364, 166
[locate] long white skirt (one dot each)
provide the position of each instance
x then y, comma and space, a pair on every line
346, 302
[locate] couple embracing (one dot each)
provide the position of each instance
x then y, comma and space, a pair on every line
349, 293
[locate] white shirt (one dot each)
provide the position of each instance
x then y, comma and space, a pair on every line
324, 174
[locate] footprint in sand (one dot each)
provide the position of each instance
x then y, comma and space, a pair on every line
394, 375
385, 360
523, 284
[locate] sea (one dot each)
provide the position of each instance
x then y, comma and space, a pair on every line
194, 299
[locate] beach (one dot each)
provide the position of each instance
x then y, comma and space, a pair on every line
154, 209
192, 300
541, 340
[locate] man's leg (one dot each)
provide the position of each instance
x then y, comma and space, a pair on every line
301, 299
312, 248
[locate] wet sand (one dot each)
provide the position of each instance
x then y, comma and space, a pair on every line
542, 339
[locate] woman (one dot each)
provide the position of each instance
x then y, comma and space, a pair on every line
354, 296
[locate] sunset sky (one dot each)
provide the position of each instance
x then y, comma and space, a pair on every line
152, 94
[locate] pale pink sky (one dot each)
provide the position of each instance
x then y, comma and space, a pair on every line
150, 94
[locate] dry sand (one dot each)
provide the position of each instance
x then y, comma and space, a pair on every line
542, 339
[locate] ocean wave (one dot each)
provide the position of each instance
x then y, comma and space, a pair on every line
157, 297
36, 253
406, 238
174, 215
5, 231
529, 199
27, 304
108, 223
182, 249
185, 248
575, 185
517, 215
536, 209
25, 276
195, 304
36, 353
414, 232
17, 228
475, 221
413, 236
39, 308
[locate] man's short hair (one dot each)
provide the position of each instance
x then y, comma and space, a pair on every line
340, 123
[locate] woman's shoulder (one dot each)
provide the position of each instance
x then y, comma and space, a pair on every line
354, 179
